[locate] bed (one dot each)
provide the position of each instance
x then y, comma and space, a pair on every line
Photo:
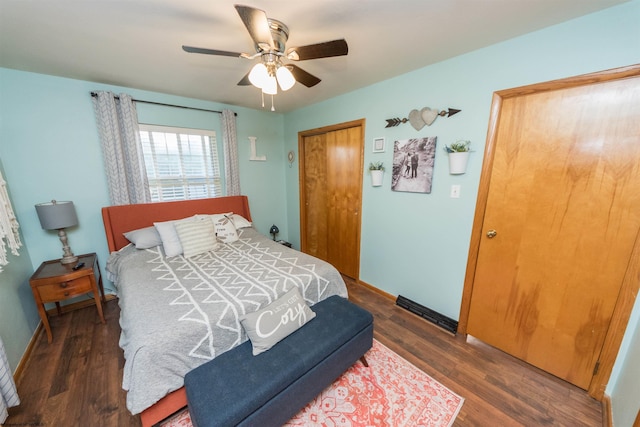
180, 312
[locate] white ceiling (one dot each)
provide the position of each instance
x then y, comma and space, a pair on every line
137, 43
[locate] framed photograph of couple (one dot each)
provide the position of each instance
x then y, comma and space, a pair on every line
413, 164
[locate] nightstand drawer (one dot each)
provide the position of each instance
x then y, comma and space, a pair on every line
64, 290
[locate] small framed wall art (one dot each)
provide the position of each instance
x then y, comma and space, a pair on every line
378, 145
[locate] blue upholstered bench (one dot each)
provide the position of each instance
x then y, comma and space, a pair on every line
239, 389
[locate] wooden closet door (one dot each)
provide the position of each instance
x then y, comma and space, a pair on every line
331, 185
344, 183
316, 207
564, 203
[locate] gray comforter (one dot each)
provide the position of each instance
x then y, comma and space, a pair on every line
178, 313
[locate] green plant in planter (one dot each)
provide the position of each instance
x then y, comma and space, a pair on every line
460, 146
376, 166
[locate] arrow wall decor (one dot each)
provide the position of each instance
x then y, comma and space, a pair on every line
420, 118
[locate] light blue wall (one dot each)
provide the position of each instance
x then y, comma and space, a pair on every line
18, 313
50, 150
414, 244
624, 385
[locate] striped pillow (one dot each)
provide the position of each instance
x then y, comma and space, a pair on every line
196, 236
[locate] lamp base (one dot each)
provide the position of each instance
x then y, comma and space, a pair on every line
67, 256
69, 259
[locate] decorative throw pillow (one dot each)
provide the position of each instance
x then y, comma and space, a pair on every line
225, 230
214, 217
144, 238
240, 222
169, 236
271, 324
196, 237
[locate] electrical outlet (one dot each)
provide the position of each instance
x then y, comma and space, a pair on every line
455, 192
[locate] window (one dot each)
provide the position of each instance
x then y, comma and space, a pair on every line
181, 163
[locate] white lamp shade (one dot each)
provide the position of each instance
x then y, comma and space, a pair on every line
271, 86
56, 215
259, 75
285, 78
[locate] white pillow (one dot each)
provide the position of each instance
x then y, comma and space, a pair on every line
225, 230
196, 237
239, 221
169, 236
144, 238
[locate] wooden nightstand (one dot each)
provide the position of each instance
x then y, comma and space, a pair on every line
55, 282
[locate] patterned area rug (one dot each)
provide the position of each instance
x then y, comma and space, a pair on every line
390, 392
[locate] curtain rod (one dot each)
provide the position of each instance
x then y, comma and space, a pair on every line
94, 94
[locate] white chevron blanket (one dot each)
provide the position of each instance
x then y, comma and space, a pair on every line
178, 313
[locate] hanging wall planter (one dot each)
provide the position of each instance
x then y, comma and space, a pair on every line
458, 157
376, 178
377, 173
458, 163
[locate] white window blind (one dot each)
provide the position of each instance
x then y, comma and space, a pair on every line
181, 163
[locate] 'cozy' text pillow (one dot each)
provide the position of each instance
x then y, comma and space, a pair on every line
269, 325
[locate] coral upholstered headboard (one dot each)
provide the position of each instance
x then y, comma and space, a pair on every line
120, 219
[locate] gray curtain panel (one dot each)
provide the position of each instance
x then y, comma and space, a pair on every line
117, 122
230, 143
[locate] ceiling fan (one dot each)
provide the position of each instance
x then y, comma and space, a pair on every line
270, 38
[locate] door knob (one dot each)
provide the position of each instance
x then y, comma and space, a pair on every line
491, 234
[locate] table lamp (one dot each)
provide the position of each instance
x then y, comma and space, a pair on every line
58, 216
274, 230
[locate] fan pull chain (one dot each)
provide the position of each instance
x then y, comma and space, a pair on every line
262, 98
272, 107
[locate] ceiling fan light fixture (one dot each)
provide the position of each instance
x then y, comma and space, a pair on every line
271, 86
270, 37
259, 76
285, 78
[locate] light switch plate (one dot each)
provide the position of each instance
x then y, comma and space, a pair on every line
455, 191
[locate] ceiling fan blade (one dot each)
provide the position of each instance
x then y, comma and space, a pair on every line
319, 50
257, 24
302, 76
192, 49
245, 80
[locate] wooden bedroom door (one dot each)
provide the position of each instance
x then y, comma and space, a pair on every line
561, 220
331, 166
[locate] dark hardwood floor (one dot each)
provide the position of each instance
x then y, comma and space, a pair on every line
76, 380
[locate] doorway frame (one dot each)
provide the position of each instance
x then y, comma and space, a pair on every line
301, 168
631, 281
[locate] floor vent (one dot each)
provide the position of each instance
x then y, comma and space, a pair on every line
432, 316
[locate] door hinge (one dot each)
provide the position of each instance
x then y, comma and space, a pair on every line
595, 368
